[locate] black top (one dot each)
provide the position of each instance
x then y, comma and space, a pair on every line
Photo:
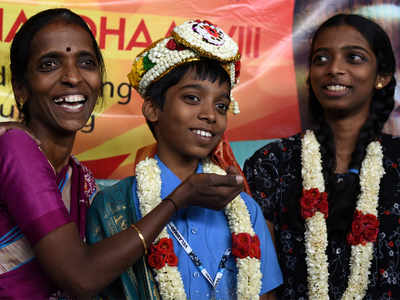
274, 176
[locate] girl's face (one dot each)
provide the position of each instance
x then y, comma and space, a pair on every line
193, 119
63, 79
343, 71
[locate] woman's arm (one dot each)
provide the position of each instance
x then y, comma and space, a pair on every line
84, 270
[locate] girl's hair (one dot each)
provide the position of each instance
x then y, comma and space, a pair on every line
382, 100
205, 69
20, 51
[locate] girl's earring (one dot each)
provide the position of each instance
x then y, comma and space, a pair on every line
379, 85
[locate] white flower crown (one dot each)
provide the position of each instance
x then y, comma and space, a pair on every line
192, 41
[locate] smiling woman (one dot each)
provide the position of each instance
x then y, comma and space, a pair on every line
57, 71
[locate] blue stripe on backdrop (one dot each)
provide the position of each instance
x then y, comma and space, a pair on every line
244, 149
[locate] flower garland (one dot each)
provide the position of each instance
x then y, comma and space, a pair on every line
315, 210
245, 244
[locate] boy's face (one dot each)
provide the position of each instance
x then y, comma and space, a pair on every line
193, 119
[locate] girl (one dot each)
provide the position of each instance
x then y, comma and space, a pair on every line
331, 192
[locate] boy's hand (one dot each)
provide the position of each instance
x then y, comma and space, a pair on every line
208, 190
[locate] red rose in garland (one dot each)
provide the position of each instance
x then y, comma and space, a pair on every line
165, 246
363, 229
172, 259
313, 201
243, 245
162, 253
156, 260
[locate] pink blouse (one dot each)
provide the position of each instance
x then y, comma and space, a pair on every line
30, 208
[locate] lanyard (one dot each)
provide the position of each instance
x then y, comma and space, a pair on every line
62, 183
196, 260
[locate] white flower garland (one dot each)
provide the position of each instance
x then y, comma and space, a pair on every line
148, 176
316, 232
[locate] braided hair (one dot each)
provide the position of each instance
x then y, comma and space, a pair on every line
382, 100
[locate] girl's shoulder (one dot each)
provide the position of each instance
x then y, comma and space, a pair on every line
391, 146
278, 148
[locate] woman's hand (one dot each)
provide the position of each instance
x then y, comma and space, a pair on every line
208, 190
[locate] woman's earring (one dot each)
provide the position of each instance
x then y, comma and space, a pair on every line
379, 85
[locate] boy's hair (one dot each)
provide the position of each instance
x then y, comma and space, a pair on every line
205, 69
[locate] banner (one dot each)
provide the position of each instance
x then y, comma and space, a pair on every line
273, 37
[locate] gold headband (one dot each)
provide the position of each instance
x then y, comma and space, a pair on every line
192, 41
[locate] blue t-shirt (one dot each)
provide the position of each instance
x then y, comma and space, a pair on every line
208, 234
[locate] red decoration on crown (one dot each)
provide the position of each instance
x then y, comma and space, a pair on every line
172, 45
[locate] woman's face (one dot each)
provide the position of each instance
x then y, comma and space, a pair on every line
343, 72
63, 78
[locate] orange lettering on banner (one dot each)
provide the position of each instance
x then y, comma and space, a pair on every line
1, 23
140, 29
232, 31
252, 46
91, 24
21, 19
120, 32
170, 29
249, 35
257, 42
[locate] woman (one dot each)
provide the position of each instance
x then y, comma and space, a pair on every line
57, 73
332, 192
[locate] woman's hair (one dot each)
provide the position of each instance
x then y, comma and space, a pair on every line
20, 51
382, 100
205, 69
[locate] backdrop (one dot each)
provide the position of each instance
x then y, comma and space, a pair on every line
273, 37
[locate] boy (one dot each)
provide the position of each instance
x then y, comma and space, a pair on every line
207, 249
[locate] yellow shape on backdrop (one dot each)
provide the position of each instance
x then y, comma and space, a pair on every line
129, 142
